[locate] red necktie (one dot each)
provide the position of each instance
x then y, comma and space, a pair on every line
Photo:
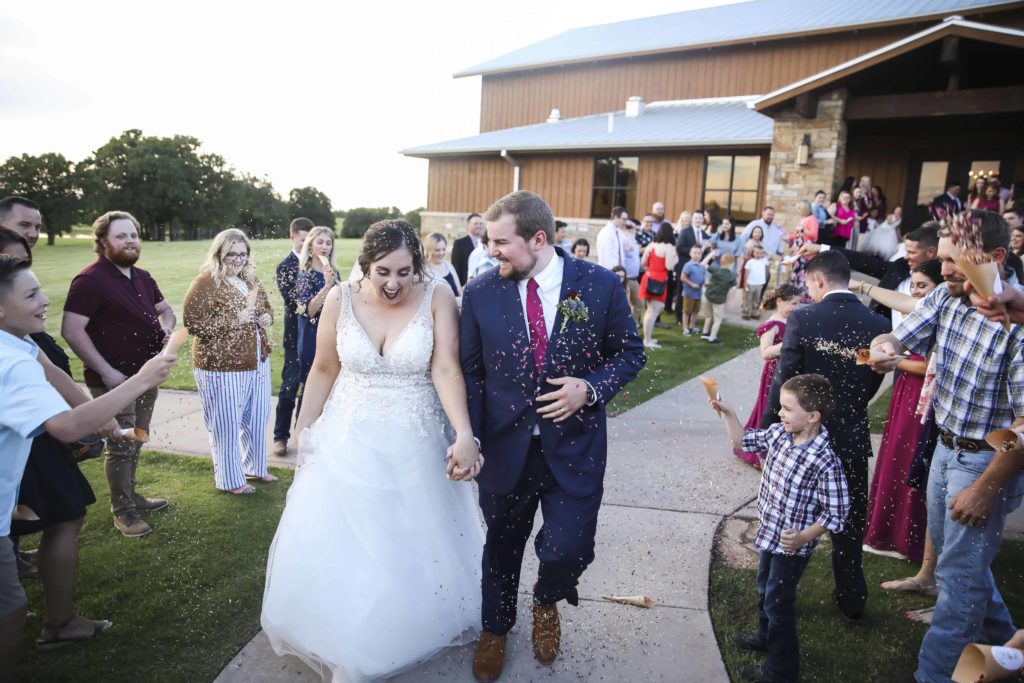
535, 320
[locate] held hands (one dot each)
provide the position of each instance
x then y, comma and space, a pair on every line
565, 401
464, 460
792, 540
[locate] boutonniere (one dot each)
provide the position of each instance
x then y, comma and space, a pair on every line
573, 310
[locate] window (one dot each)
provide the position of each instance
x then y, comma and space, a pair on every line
730, 186
933, 181
614, 185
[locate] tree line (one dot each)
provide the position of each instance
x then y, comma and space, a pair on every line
176, 191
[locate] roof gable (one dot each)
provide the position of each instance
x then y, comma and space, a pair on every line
722, 25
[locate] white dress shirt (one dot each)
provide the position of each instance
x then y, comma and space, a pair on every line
902, 288
609, 246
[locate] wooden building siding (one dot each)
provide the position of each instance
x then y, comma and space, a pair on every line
527, 97
565, 181
467, 184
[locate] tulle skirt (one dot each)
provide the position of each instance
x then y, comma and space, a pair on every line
376, 563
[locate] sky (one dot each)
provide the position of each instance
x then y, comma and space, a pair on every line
302, 92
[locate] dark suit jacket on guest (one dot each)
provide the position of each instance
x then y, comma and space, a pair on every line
889, 273
461, 249
946, 205
819, 339
684, 243
502, 384
287, 272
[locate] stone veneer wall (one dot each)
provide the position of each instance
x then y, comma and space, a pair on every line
789, 182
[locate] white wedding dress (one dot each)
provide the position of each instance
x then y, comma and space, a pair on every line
376, 563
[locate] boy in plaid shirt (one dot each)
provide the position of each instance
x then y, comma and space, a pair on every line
803, 494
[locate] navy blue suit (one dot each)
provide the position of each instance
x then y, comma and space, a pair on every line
287, 272
562, 470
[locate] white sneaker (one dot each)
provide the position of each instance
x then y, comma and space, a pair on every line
653, 344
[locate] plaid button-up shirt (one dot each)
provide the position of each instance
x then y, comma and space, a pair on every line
800, 485
979, 368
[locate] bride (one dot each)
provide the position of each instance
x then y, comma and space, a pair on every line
376, 563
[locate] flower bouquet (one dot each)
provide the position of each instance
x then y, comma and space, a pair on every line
978, 267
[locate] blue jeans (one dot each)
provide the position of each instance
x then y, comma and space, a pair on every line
970, 608
286, 394
777, 578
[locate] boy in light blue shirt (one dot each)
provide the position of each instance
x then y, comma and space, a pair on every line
29, 405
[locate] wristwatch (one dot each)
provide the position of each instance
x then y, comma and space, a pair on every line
591, 395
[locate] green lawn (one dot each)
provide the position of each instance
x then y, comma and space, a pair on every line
184, 599
878, 411
681, 358
173, 265
883, 645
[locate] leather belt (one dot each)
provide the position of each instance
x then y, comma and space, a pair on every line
950, 440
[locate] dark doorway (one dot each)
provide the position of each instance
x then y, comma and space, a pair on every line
931, 172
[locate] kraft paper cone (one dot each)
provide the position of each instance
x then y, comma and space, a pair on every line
1004, 440
23, 513
994, 663
865, 356
711, 386
323, 260
635, 600
178, 338
135, 434
983, 274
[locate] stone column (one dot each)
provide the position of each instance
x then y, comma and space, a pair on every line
789, 182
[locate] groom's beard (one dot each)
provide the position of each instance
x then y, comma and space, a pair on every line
516, 274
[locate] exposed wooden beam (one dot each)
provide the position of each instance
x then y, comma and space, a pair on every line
806, 105
950, 59
913, 105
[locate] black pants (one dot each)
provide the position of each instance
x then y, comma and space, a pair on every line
851, 590
670, 291
564, 544
286, 395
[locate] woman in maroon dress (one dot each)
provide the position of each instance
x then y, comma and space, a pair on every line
782, 302
897, 515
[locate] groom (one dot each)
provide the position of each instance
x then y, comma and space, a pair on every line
546, 342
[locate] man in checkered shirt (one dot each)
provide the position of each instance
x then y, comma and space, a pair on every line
803, 494
979, 387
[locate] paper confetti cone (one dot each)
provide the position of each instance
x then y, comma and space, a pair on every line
711, 386
134, 434
994, 663
865, 356
177, 339
635, 600
1004, 440
323, 260
983, 274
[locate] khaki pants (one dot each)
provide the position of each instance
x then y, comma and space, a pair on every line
712, 312
752, 301
635, 304
122, 459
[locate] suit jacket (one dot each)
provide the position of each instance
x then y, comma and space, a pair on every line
502, 384
461, 249
684, 243
889, 273
287, 273
946, 204
813, 337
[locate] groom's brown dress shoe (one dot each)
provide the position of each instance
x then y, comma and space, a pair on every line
489, 659
547, 632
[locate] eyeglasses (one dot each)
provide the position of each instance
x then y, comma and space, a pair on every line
237, 258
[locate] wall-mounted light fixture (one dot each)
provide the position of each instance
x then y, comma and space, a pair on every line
803, 151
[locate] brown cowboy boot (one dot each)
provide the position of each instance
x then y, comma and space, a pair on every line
489, 659
547, 632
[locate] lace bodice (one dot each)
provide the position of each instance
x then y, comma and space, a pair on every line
388, 388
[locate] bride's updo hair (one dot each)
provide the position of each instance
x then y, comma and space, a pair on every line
384, 237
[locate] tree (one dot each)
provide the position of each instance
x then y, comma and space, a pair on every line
358, 220
49, 180
262, 212
312, 204
413, 217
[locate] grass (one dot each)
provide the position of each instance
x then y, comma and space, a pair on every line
184, 599
173, 265
878, 411
883, 645
680, 358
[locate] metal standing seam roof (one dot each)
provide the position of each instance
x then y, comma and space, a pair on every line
720, 121
756, 20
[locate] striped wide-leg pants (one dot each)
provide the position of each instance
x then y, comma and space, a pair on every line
236, 407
